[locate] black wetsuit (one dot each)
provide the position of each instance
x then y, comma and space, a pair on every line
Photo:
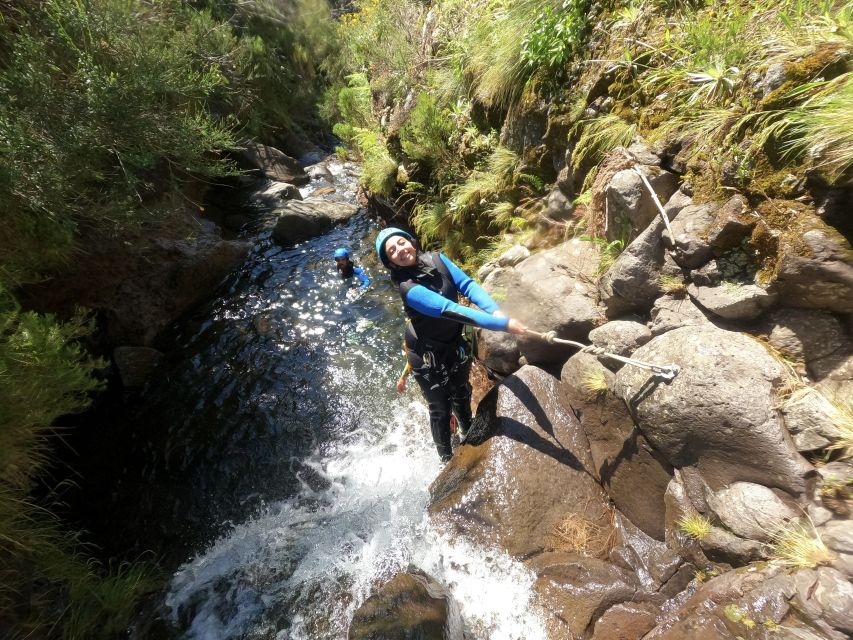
439, 355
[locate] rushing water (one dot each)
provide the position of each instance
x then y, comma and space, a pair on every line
303, 474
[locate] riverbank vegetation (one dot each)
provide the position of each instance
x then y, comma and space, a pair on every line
113, 112
749, 97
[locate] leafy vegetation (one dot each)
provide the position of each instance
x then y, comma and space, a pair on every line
112, 113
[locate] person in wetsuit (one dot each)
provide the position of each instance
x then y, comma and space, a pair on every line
439, 356
347, 269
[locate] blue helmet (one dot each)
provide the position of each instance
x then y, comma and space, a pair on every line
383, 236
341, 253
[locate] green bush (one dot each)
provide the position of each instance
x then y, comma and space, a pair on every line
426, 134
555, 36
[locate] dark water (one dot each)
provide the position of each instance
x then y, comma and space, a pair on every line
273, 460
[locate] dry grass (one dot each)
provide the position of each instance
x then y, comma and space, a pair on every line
579, 534
594, 381
799, 546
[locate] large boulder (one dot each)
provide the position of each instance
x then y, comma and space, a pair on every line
498, 350
630, 207
273, 164
652, 561
633, 474
625, 621
718, 411
410, 605
752, 511
815, 270
515, 488
689, 240
733, 301
803, 334
633, 281
300, 220
135, 364
554, 291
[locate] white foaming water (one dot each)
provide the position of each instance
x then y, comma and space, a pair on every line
300, 570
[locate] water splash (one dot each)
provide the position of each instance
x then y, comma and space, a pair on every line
300, 569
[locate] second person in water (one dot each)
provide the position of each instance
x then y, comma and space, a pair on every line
440, 357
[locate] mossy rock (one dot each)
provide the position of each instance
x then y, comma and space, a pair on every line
828, 61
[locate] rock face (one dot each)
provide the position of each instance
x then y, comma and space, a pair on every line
633, 474
300, 220
553, 291
515, 488
718, 411
410, 605
816, 272
135, 364
273, 164
632, 282
630, 207
672, 312
137, 292
803, 334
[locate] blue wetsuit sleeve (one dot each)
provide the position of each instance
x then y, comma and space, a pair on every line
470, 289
359, 273
435, 305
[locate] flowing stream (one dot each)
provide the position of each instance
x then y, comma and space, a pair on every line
298, 473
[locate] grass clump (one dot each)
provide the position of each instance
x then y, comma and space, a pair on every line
578, 534
594, 381
799, 546
695, 526
672, 285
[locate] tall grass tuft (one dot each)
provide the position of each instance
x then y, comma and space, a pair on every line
695, 525
800, 546
599, 135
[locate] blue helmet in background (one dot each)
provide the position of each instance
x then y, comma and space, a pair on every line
341, 253
383, 237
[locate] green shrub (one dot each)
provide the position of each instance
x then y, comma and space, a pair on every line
425, 135
555, 36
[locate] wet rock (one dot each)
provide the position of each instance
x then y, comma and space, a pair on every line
576, 593
498, 350
689, 235
678, 506
300, 220
751, 510
815, 271
621, 337
527, 477
630, 207
650, 560
275, 193
410, 605
135, 364
273, 164
741, 603
733, 301
718, 411
672, 312
633, 474
627, 621
553, 291
803, 334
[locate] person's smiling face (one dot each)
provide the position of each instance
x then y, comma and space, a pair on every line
400, 251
